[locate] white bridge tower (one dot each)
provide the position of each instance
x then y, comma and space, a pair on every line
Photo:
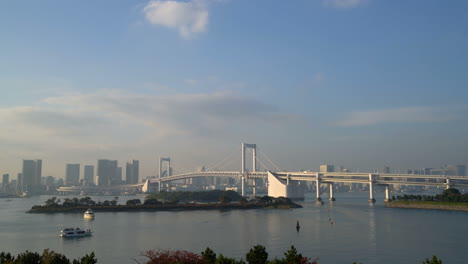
168, 160
254, 166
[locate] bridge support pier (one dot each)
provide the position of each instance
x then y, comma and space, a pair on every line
447, 183
371, 191
387, 193
332, 198
254, 188
318, 199
243, 185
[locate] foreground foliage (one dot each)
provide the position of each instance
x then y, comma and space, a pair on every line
47, 257
256, 255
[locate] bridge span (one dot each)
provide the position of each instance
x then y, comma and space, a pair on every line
287, 183
284, 179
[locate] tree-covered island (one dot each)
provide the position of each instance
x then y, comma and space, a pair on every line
204, 200
450, 199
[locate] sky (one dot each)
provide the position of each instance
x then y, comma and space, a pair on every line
356, 83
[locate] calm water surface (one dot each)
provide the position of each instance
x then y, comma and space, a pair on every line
360, 232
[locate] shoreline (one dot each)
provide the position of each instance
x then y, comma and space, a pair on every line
164, 207
427, 206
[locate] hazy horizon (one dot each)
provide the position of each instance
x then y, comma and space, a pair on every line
356, 83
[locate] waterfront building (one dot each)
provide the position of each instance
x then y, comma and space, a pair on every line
19, 183
72, 176
118, 177
427, 171
132, 172
106, 172
327, 168
456, 170
31, 175
50, 180
386, 170
5, 181
88, 174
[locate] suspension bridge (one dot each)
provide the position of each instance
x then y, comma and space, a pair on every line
288, 183
279, 183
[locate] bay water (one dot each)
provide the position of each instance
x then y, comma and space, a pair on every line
345, 231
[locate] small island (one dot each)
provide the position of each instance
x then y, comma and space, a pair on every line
167, 201
451, 200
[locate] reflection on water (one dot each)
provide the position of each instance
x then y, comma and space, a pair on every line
349, 229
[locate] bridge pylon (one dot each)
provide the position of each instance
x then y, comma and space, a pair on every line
254, 166
168, 160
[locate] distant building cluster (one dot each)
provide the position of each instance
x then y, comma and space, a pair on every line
108, 173
31, 181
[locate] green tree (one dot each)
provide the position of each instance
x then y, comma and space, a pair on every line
134, 202
6, 258
224, 260
89, 259
28, 258
52, 202
50, 257
434, 260
257, 255
225, 199
209, 256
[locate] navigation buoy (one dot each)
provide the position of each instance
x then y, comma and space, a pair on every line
298, 226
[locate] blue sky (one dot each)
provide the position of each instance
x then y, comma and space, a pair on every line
358, 83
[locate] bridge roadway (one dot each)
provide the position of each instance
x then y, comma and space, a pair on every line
335, 177
332, 177
319, 177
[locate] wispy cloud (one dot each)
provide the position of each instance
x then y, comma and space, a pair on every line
401, 115
189, 18
112, 117
343, 3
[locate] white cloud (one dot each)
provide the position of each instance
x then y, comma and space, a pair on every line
400, 115
188, 18
111, 118
343, 3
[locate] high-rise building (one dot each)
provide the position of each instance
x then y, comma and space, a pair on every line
456, 170
106, 172
132, 172
50, 180
5, 182
19, 183
118, 176
72, 176
32, 173
386, 170
327, 168
89, 174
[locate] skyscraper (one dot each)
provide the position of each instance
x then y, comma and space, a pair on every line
19, 183
456, 170
118, 177
31, 176
5, 182
327, 168
72, 176
89, 174
107, 172
132, 171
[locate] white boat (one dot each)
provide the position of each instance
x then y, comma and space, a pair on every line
89, 214
75, 232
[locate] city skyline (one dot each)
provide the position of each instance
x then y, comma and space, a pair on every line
362, 84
